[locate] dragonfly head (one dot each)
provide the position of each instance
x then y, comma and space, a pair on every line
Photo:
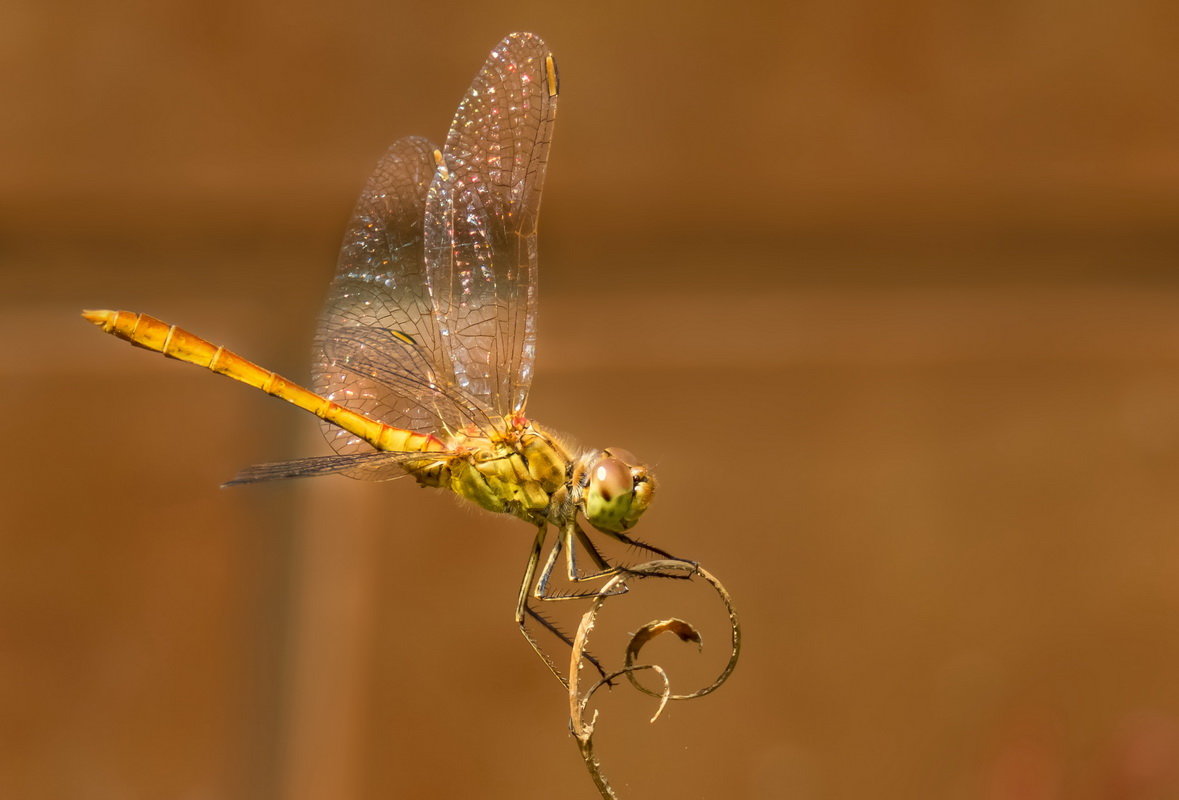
619, 490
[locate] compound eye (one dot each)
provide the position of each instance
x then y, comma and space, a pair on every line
623, 455
611, 478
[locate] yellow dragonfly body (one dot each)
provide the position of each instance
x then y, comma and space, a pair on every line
425, 347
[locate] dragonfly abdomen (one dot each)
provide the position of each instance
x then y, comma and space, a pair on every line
172, 341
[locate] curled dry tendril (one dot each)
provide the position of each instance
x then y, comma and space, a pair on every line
583, 729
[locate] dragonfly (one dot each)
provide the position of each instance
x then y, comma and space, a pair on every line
424, 350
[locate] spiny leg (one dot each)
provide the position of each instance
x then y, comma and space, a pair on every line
605, 567
622, 537
565, 541
552, 628
539, 590
523, 609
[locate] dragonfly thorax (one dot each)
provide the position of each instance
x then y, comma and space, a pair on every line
530, 474
515, 472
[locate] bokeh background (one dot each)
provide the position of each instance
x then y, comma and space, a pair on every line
887, 293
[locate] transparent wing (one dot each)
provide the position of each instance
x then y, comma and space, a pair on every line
480, 223
380, 287
384, 358
373, 466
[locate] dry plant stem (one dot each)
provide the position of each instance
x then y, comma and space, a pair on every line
583, 731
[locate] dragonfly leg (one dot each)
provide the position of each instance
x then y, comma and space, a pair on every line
605, 568
529, 574
622, 537
524, 610
565, 542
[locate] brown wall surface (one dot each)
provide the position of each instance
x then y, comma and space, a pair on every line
886, 292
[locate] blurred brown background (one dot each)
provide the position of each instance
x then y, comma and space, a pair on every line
887, 292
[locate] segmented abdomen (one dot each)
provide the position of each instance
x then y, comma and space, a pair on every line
150, 333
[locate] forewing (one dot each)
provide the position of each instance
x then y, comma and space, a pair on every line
480, 223
381, 286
